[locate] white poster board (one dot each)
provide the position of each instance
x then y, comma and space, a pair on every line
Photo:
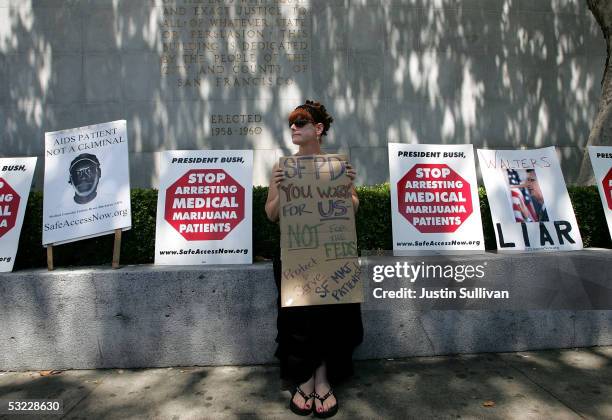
87, 183
434, 199
204, 207
601, 159
530, 206
15, 182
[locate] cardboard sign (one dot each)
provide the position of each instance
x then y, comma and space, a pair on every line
434, 199
318, 238
530, 206
87, 183
15, 182
601, 159
204, 207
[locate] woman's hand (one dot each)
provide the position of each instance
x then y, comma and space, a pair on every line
273, 200
277, 176
350, 172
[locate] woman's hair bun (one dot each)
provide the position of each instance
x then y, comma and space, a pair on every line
319, 114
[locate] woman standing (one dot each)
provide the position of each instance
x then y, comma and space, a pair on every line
315, 343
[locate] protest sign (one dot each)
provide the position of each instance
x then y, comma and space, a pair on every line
434, 199
15, 182
318, 238
87, 183
530, 206
601, 159
204, 207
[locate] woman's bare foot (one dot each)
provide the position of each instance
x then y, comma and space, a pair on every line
322, 387
307, 387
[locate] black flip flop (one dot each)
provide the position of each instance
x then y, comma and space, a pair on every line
325, 414
294, 407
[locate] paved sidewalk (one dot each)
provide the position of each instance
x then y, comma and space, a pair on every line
559, 384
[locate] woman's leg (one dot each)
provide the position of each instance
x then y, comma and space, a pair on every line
307, 387
322, 387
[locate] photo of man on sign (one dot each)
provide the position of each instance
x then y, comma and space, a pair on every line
526, 196
85, 175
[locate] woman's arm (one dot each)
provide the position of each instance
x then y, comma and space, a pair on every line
273, 200
352, 174
355, 199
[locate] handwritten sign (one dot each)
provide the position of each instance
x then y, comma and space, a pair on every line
318, 239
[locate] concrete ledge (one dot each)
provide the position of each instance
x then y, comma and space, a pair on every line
153, 316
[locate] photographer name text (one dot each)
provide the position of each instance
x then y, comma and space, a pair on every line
440, 293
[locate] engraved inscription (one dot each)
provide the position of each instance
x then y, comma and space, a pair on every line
236, 124
234, 43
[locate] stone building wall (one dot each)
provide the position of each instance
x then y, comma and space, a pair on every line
223, 74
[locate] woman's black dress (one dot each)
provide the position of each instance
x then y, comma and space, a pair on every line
310, 335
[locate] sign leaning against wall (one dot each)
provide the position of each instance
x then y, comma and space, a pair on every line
204, 208
434, 199
15, 182
87, 183
530, 206
601, 159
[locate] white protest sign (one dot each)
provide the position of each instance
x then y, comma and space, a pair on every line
15, 182
530, 206
87, 183
434, 198
204, 207
601, 159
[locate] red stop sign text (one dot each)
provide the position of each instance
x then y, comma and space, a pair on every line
9, 205
204, 204
434, 198
607, 188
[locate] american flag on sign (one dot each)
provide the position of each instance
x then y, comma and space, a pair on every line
522, 205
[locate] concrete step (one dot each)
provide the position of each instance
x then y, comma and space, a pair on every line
154, 316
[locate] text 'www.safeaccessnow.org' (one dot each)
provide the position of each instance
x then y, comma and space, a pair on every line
439, 243
203, 251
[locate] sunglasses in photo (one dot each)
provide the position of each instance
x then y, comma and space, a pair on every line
300, 122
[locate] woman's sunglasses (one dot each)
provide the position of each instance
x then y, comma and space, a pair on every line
300, 122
